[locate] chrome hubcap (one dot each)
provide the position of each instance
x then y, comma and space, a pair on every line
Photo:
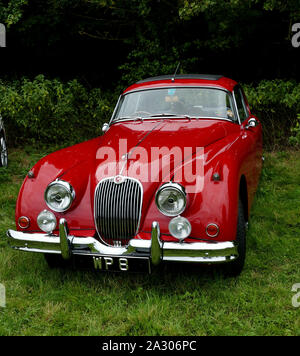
3, 152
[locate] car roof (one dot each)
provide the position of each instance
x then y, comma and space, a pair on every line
207, 80
182, 76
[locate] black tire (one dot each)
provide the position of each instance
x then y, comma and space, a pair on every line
3, 151
56, 261
234, 269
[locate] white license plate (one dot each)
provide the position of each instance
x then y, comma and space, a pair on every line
122, 264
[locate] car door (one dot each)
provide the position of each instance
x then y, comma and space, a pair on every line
251, 133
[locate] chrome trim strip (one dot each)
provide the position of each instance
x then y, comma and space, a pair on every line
235, 106
155, 249
115, 109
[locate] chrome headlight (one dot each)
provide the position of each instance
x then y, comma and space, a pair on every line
171, 199
59, 196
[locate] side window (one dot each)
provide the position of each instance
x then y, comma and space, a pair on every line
241, 105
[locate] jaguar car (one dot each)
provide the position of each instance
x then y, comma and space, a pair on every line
3, 145
171, 180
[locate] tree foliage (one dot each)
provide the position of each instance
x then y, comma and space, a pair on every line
150, 37
195, 7
11, 11
42, 109
232, 21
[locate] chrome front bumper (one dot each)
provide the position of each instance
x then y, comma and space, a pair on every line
156, 249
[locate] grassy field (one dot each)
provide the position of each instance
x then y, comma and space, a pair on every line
171, 301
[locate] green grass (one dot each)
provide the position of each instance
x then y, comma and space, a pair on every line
171, 301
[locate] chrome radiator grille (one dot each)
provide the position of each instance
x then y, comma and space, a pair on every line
118, 204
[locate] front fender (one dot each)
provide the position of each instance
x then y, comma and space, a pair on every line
72, 164
217, 202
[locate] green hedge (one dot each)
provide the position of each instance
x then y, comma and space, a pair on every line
51, 111
276, 103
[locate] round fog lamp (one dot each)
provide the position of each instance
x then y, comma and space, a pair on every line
180, 228
47, 221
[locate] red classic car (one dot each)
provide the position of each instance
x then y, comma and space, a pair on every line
171, 180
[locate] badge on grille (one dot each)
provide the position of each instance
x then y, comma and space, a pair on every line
119, 179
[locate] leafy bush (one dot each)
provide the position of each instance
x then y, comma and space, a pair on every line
276, 103
295, 138
50, 111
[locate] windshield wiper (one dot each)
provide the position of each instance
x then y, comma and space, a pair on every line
130, 118
171, 115
163, 115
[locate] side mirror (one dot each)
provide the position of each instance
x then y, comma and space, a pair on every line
251, 123
105, 127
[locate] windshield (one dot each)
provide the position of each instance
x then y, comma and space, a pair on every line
177, 102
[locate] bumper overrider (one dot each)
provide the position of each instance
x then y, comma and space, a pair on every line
155, 250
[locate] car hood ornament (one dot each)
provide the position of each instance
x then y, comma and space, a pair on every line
119, 179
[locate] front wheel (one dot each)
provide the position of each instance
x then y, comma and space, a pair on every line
3, 151
234, 268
